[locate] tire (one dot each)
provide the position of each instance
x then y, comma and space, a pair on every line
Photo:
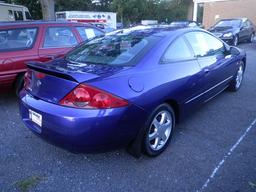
236, 83
19, 84
159, 130
235, 40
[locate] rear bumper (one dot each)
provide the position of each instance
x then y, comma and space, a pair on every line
83, 130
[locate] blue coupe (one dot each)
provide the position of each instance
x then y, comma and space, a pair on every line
128, 89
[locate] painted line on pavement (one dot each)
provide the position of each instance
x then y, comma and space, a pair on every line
216, 169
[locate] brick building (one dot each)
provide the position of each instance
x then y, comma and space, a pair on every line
210, 11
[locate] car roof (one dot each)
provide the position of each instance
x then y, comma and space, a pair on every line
239, 18
38, 22
157, 30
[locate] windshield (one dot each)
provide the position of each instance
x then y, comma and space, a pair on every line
229, 23
110, 50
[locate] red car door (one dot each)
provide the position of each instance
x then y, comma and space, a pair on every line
22, 46
57, 41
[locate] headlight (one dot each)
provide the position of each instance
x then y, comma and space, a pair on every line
228, 34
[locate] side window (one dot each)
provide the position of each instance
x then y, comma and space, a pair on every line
17, 39
204, 44
88, 33
57, 37
10, 14
245, 24
18, 16
248, 23
177, 51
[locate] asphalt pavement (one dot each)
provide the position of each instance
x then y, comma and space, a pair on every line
214, 150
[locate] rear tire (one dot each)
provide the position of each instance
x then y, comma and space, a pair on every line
236, 83
159, 130
19, 83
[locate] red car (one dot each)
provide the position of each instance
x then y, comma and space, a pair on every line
36, 41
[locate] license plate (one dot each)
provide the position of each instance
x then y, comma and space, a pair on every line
35, 117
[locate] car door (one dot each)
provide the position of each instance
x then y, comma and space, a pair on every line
179, 62
17, 46
216, 65
57, 41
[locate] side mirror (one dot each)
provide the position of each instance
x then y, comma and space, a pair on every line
230, 50
234, 51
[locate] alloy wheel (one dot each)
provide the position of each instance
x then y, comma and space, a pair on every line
235, 41
160, 130
239, 76
252, 38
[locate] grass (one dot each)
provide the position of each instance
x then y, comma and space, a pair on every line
26, 184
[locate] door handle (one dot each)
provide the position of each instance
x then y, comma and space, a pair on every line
51, 57
206, 70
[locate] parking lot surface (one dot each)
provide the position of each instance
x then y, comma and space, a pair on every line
212, 150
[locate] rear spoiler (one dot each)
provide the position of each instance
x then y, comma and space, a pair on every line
42, 67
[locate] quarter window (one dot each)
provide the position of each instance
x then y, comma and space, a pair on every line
178, 50
59, 37
88, 33
17, 39
204, 44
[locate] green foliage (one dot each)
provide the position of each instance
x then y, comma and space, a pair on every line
128, 11
72, 5
133, 11
26, 184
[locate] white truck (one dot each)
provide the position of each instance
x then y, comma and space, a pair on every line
11, 12
106, 18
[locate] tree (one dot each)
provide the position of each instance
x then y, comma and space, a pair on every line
48, 9
73, 5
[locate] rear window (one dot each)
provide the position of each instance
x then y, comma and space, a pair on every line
88, 33
28, 16
110, 50
17, 39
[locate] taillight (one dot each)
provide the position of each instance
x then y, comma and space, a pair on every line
39, 75
84, 96
27, 79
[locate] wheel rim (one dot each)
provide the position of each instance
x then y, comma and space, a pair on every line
160, 130
239, 76
236, 41
252, 38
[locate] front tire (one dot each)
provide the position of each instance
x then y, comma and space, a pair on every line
238, 78
159, 130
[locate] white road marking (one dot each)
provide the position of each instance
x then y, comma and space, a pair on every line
216, 169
